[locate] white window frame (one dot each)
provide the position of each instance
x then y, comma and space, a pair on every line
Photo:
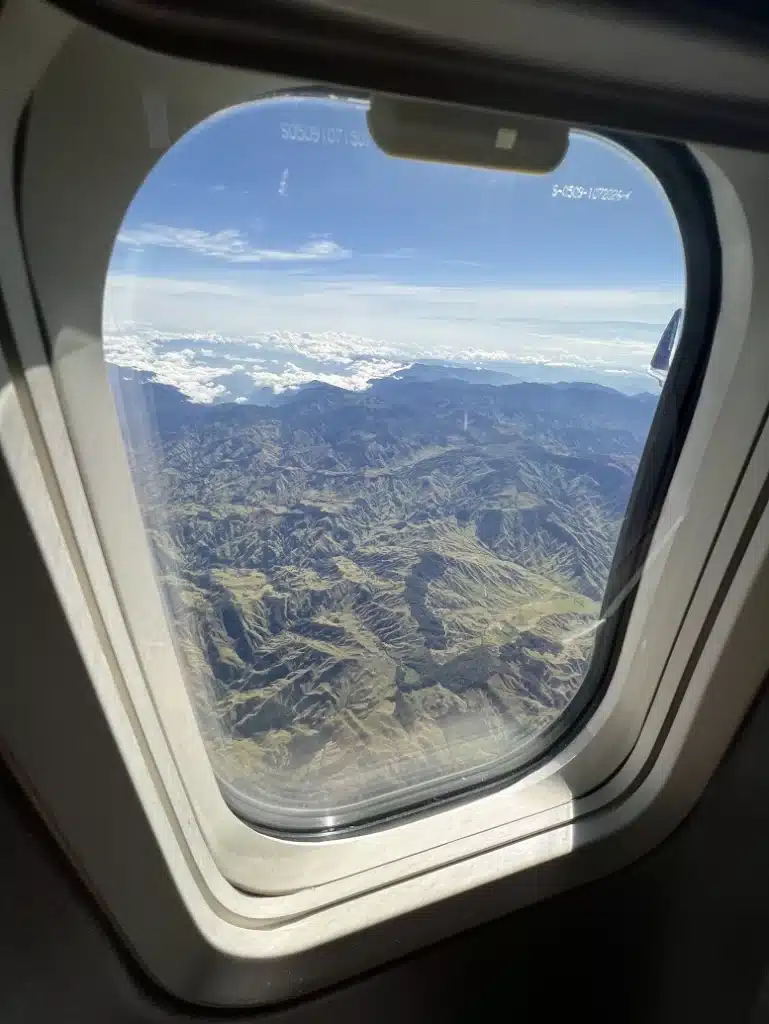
263, 914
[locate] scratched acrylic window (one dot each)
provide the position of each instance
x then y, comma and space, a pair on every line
384, 419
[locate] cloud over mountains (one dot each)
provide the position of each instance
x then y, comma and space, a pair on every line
280, 331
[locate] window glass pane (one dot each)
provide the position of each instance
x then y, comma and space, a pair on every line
384, 419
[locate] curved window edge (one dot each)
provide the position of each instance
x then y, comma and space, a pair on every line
677, 174
256, 862
220, 947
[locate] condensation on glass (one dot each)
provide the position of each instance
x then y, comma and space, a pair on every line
383, 419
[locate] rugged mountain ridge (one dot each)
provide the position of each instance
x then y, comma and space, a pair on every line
373, 587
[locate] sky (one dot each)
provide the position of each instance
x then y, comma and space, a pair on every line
276, 244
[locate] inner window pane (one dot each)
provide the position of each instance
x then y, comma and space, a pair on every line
383, 419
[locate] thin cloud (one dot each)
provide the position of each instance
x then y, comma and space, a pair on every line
230, 245
407, 253
323, 247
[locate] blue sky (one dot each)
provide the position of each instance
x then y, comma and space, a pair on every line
276, 244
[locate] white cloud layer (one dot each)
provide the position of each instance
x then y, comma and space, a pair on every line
355, 378
416, 316
230, 245
181, 369
282, 331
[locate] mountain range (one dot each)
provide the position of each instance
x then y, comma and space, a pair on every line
373, 588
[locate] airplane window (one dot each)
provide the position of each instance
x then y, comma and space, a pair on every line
384, 418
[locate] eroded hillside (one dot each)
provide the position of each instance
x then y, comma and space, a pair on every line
372, 588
